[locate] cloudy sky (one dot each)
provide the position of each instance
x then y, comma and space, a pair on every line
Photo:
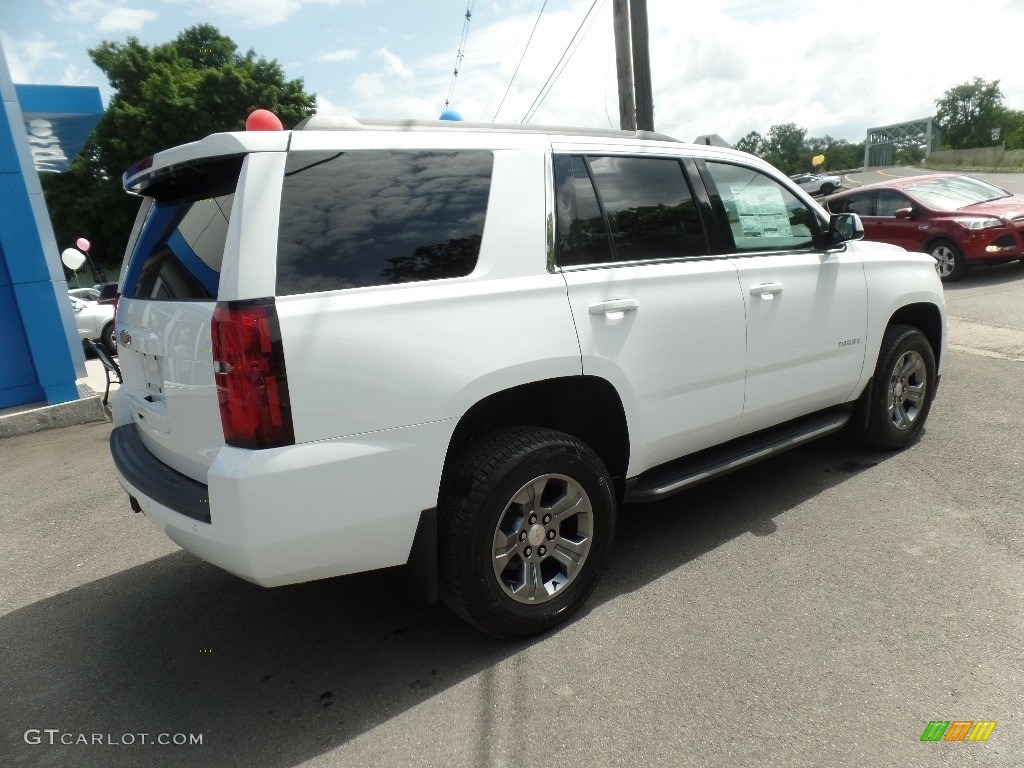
719, 66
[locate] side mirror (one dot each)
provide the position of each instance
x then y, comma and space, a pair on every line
904, 213
843, 227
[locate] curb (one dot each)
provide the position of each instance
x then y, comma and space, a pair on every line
88, 408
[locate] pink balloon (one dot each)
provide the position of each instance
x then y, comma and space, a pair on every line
82, 243
263, 120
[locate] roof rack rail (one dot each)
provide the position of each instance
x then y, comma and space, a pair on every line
345, 123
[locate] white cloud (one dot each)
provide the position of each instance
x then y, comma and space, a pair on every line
74, 75
125, 20
251, 13
394, 64
368, 87
105, 15
346, 54
25, 58
325, 106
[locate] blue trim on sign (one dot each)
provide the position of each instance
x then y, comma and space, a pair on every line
36, 360
58, 99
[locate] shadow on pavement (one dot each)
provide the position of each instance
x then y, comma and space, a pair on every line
275, 677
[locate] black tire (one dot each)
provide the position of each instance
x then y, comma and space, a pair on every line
901, 392
949, 260
507, 564
827, 189
108, 338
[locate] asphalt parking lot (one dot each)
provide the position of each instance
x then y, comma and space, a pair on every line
818, 609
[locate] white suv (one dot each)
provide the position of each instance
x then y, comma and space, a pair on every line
460, 347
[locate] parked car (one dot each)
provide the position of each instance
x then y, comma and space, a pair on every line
85, 294
959, 220
95, 321
107, 293
461, 347
817, 184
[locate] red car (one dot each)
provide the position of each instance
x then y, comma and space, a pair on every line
957, 219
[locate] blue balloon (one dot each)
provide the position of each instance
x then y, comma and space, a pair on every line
450, 114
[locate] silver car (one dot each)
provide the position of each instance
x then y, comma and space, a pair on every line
95, 321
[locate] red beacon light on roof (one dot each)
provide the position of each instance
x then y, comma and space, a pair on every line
263, 120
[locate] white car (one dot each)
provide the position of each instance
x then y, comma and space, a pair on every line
95, 322
818, 184
461, 347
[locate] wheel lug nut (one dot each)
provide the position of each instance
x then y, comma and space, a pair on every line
528, 551
533, 519
547, 519
522, 536
542, 550
551, 535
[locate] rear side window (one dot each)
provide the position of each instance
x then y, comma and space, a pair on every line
178, 254
858, 203
378, 217
624, 209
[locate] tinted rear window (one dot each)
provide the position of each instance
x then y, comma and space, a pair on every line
181, 246
624, 209
377, 217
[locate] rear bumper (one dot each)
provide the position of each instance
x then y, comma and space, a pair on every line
163, 485
297, 513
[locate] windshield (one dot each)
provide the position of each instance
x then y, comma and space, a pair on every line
955, 192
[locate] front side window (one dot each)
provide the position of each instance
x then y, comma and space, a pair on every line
888, 202
761, 213
378, 217
624, 209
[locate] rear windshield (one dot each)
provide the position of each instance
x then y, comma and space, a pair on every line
179, 251
376, 217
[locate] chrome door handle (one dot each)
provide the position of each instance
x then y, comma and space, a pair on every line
766, 291
615, 307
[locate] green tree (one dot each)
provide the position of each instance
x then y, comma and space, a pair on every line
1013, 129
839, 154
166, 95
753, 143
968, 112
784, 148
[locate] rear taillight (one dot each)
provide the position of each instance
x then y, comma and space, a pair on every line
248, 364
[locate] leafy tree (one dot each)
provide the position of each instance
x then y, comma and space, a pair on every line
784, 148
839, 153
753, 143
968, 112
788, 150
166, 95
1013, 129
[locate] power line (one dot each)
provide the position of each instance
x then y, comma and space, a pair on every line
577, 38
460, 52
541, 13
515, 47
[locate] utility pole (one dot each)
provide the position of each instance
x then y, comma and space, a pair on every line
633, 65
624, 65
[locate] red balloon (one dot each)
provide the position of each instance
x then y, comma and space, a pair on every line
263, 120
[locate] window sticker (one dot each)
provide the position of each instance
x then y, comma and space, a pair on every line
761, 210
